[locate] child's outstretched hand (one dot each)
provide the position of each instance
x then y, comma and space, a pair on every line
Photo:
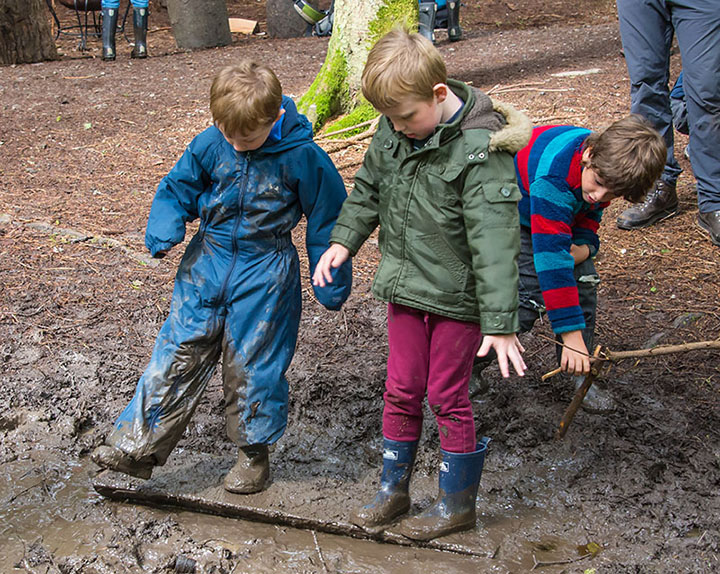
333, 258
506, 347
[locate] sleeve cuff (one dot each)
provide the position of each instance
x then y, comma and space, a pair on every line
499, 323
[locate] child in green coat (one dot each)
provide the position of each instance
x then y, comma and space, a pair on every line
439, 180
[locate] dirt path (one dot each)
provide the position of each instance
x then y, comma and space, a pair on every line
83, 145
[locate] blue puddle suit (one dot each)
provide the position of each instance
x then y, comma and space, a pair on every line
237, 291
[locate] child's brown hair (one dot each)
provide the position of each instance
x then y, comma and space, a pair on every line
245, 97
628, 157
399, 66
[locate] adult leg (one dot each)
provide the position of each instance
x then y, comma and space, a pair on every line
697, 25
109, 26
140, 24
647, 33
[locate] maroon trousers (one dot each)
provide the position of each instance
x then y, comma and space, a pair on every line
433, 355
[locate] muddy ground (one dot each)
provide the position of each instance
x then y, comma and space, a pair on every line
84, 143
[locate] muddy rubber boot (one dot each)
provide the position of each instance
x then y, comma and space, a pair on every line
393, 498
660, 203
454, 507
454, 30
597, 400
251, 472
109, 25
426, 20
140, 20
111, 458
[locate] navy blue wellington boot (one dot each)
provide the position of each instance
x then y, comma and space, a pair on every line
454, 507
393, 498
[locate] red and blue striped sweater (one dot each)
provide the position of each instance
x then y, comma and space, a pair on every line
549, 171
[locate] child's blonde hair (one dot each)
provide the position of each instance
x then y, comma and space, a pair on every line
245, 97
400, 66
628, 157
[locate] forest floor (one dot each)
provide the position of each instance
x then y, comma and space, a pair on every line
84, 143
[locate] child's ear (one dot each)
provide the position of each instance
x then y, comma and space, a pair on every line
280, 113
440, 91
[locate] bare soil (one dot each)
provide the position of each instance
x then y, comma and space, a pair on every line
83, 145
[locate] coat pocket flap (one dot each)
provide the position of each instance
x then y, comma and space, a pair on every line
498, 191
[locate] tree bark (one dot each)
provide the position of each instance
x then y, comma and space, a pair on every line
199, 23
357, 26
283, 21
25, 32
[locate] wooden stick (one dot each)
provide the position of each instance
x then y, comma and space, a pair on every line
344, 130
661, 350
579, 396
552, 373
639, 353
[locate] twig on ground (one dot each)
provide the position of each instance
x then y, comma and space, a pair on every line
349, 164
319, 551
497, 87
342, 144
344, 130
540, 564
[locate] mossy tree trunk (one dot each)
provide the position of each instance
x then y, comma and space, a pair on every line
25, 32
357, 26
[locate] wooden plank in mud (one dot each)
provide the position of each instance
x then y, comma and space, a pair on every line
193, 481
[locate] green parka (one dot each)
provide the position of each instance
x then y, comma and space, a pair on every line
449, 231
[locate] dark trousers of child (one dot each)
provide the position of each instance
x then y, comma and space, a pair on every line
430, 354
531, 304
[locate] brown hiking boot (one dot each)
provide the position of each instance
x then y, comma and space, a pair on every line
710, 222
251, 472
660, 203
111, 458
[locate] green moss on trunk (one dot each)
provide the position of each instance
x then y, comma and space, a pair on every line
327, 94
336, 89
361, 113
404, 12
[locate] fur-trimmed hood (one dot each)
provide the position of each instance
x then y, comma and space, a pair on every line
511, 128
516, 133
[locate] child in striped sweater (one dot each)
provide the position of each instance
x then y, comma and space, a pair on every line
567, 176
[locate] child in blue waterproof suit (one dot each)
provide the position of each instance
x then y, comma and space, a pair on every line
249, 179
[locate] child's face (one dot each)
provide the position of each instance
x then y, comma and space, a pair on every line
417, 119
593, 190
251, 140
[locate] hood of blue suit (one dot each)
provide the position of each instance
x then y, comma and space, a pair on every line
291, 130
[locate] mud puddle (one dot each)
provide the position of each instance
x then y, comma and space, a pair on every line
53, 521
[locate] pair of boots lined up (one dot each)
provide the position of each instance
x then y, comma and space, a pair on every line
109, 27
454, 507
